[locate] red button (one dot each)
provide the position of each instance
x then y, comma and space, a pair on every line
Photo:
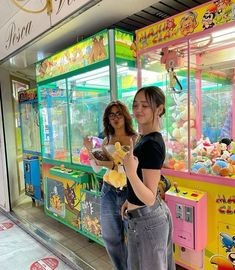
194, 195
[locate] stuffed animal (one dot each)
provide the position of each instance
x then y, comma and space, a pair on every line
202, 165
180, 120
97, 142
175, 164
231, 159
117, 177
222, 167
232, 148
84, 156
119, 153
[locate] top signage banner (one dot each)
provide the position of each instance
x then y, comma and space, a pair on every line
24, 26
64, 8
193, 21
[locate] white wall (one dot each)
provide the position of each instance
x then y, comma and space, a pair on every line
9, 125
4, 193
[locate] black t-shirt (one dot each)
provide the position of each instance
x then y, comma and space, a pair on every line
150, 151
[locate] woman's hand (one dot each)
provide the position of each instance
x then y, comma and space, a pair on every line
130, 162
87, 142
123, 209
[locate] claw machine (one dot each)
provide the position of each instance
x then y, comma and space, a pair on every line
191, 57
31, 145
74, 87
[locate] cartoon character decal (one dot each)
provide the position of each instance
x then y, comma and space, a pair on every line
221, 5
45, 67
228, 242
55, 200
224, 263
208, 17
98, 51
133, 49
188, 23
71, 197
55, 197
223, 11
170, 24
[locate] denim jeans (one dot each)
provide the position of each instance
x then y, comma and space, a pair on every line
112, 225
150, 245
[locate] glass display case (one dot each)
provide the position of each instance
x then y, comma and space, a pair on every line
88, 96
31, 145
197, 77
190, 56
54, 124
156, 70
29, 119
74, 87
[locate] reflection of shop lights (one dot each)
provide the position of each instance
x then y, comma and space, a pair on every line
98, 74
223, 35
223, 32
12, 61
122, 69
93, 77
128, 94
224, 38
84, 77
216, 37
150, 73
204, 39
155, 61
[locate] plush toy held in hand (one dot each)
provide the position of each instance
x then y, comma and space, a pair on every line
119, 153
117, 177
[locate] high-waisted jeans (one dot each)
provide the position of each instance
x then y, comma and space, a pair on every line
150, 245
112, 225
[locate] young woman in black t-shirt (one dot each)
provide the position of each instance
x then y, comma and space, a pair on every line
149, 219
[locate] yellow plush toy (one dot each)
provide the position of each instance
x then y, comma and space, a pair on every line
117, 178
119, 153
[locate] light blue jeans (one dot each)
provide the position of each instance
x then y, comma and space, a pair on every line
150, 245
112, 226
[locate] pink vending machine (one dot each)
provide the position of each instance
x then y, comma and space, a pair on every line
189, 212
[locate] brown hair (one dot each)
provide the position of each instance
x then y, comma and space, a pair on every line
108, 129
154, 96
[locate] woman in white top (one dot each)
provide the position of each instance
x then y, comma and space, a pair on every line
118, 127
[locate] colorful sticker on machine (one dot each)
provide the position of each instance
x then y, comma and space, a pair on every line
192, 21
124, 45
225, 259
29, 94
82, 54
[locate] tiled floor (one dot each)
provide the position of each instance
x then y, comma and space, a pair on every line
90, 252
18, 250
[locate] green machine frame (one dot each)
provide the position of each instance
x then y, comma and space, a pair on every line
74, 87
